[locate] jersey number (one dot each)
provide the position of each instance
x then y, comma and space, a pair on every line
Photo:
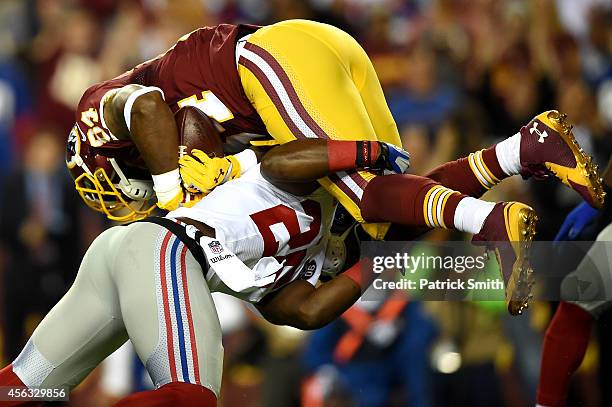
210, 104
96, 135
281, 220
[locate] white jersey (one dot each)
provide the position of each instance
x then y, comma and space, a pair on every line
278, 236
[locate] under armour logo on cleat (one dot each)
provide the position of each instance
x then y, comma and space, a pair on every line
542, 134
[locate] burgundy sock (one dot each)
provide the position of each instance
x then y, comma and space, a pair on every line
176, 394
564, 347
409, 200
461, 176
489, 157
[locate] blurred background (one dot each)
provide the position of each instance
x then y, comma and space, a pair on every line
458, 75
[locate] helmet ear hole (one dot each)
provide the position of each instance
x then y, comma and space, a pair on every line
136, 189
338, 247
335, 256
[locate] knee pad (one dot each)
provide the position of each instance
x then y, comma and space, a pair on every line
582, 285
589, 286
592, 279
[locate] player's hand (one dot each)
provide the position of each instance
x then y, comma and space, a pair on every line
191, 199
170, 201
201, 173
182, 198
392, 158
581, 217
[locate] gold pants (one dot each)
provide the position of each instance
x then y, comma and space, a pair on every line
312, 80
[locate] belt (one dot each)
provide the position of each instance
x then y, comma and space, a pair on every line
179, 231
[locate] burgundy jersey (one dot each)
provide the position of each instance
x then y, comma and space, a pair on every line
200, 70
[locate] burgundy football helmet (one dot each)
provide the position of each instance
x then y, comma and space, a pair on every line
123, 193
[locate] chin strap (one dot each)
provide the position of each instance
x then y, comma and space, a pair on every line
134, 189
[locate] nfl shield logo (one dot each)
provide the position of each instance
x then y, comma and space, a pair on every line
215, 247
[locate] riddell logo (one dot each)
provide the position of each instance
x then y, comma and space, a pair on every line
542, 134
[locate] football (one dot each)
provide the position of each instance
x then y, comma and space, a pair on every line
196, 130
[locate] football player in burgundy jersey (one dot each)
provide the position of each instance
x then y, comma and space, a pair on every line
298, 80
129, 118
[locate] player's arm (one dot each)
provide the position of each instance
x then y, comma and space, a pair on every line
303, 306
294, 165
140, 114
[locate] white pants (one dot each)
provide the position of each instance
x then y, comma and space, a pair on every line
590, 285
136, 282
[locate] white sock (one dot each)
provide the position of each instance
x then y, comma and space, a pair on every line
471, 214
508, 154
540, 405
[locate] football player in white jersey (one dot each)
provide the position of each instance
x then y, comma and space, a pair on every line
261, 237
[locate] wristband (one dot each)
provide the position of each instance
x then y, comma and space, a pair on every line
167, 185
247, 160
356, 273
367, 153
351, 155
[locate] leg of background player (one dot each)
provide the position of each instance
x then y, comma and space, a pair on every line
568, 333
564, 347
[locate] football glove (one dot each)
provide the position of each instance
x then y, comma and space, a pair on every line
170, 200
578, 220
201, 173
180, 199
167, 187
392, 158
191, 199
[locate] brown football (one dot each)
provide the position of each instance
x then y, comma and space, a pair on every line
196, 130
